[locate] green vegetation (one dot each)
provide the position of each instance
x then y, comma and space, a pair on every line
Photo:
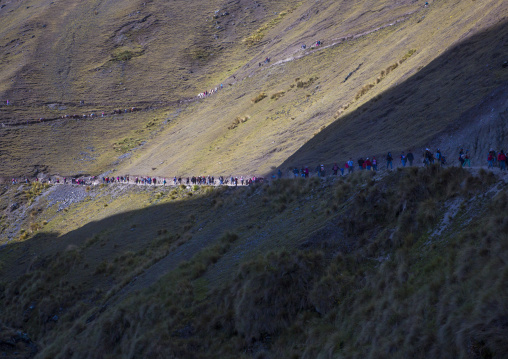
260, 33
123, 54
407, 264
34, 190
305, 84
127, 144
353, 258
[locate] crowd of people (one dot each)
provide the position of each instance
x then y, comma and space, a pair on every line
495, 159
211, 92
146, 181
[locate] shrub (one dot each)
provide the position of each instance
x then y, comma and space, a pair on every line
259, 97
305, 84
238, 121
126, 54
277, 95
269, 292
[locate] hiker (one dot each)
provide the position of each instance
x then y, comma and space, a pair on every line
360, 163
403, 159
490, 160
501, 158
296, 172
318, 170
428, 157
350, 165
279, 174
389, 161
304, 47
306, 172
438, 155
410, 157
467, 161
494, 157
461, 157
367, 164
322, 170
335, 168
374, 163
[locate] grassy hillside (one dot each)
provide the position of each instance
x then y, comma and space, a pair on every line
406, 263
300, 268
412, 72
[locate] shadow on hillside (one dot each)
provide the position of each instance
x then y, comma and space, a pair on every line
440, 99
194, 222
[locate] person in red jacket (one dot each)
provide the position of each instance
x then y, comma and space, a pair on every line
501, 158
490, 160
368, 164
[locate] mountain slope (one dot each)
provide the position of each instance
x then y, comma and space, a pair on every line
298, 268
162, 59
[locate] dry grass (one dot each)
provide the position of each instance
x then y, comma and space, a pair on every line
277, 95
259, 97
381, 271
238, 121
259, 34
367, 263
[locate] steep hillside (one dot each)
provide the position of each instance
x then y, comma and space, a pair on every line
299, 268
386, 74
408, 263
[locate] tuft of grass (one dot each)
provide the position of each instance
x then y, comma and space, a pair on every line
277, 95
127, 144
238, 121
259, 97
305, 84
125, 54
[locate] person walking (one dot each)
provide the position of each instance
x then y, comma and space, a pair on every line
410, 157
501, 158
350, 165
467, 161
403, 159
368, 164
389, 161
360, 163
462, 156
335, 168
490, 160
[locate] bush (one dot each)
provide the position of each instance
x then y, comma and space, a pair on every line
270, 291
277, 95
259, 97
